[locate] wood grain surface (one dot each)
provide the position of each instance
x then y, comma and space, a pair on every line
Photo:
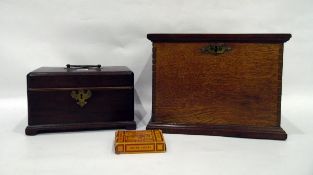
197, 88
240, 87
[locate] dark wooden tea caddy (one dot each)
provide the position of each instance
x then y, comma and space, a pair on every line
80, 98
218, 84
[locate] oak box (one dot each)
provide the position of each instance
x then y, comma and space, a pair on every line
218, 84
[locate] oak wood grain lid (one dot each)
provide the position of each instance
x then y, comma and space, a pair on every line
259, 38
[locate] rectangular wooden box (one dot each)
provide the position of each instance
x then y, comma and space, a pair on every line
218, 84
80, 98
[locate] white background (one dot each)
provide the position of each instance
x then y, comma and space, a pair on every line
36, 33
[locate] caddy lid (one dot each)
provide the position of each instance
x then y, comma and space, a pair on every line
73, 76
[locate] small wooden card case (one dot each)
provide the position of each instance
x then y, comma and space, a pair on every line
142, 141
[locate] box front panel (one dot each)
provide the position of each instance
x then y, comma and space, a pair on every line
66, 106
241, 86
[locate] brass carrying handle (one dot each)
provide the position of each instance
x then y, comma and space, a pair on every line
215, 49
68, 66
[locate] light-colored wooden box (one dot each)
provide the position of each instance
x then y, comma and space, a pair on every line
218, 84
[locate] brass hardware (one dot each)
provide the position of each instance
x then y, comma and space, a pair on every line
68, 66
215, 49
81, 96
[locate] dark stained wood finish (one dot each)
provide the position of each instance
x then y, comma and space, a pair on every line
58, 77
251, 38
32, 130
51, 107
240, 88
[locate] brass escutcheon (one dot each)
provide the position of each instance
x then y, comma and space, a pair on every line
215, 49
81, 96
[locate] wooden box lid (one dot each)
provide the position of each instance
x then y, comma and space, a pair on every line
259, 38
62, 77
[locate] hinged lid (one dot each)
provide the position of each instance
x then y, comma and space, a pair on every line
80, 76
260, 38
